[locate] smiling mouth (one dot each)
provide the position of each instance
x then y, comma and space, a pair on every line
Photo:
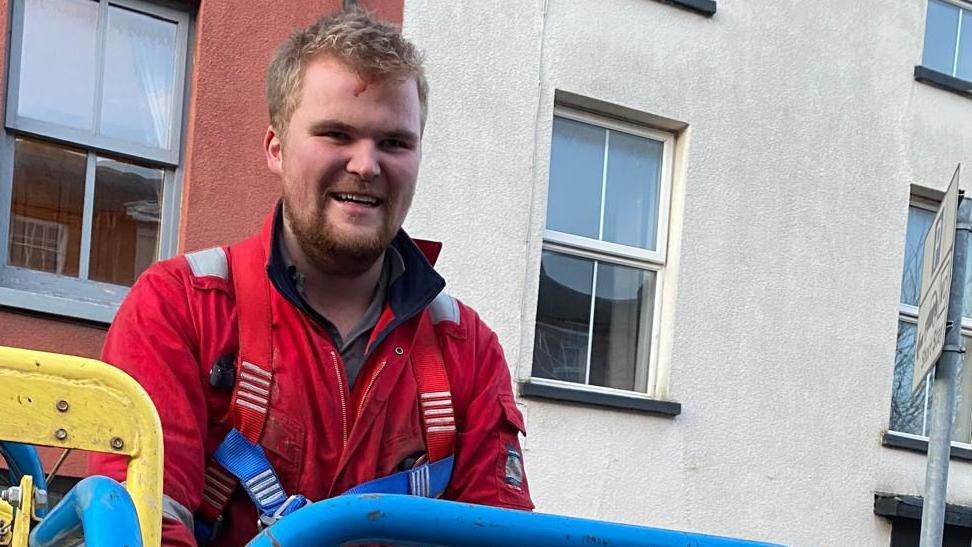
358, 199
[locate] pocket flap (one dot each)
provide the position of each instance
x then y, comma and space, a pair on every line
511, 412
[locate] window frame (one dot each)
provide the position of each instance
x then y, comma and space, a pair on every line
79, 297
963, 7
942, 80
623, 255
909, 314
702, 7
88, 139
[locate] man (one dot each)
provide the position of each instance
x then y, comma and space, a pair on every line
357, 326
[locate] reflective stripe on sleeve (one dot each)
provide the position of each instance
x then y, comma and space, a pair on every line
176, 511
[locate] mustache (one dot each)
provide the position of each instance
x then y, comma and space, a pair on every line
354, 185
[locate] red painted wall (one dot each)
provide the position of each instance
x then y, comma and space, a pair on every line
227, 189
225, 166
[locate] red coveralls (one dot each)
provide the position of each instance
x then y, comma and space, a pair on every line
320, 437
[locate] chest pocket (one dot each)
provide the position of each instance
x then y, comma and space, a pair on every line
284, 439
402, 439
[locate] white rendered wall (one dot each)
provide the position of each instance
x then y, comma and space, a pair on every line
806, 131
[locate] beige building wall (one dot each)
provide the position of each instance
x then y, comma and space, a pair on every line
804, 135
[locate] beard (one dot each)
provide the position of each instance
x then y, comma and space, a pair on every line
330, 251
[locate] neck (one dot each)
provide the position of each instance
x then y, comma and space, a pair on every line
342, 299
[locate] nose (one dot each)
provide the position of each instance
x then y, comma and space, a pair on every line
364, 160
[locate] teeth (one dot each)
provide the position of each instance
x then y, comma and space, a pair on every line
356, 198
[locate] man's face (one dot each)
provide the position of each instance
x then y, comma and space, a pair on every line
348, 163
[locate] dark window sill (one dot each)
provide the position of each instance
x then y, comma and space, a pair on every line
702, 7
909, 507
943, 81
921, 445
609, 400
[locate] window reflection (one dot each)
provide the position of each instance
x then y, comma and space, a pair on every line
621, 311
125, 227
919, 220
47, 207
58, 46
941, 28
631, 199
907, 410
576, 172
963, 69
565, 335
563, 317
139, 74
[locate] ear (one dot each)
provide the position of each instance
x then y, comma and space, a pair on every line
273, 149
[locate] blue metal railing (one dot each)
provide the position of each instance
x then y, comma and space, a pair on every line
100, 511
388, 518
97, 509
22, 460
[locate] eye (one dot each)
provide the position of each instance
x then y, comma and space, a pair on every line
396, 144
336, 136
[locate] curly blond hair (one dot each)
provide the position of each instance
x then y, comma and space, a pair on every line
371, 48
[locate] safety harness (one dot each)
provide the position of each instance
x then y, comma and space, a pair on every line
240, 460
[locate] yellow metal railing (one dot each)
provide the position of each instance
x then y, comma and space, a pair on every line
72, 402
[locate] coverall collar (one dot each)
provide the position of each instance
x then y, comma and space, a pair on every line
408, 295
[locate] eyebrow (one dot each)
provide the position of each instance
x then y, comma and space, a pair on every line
402, 135
330, 125
334, 125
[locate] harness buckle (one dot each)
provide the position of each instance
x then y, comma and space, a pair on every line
290, 505
206, 532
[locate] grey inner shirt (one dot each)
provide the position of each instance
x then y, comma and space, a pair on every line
352, 348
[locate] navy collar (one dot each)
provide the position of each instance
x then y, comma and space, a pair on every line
407, 296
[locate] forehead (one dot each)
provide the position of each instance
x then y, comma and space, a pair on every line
332, 89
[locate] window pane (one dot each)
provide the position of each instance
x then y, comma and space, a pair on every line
961, 425
941, 28
563, 317
964, 69
631, 202
622, 312
576, 173
139, 72
47, 207
960, 428
125, 228
962, 431
919, 220
57, 63
907, 411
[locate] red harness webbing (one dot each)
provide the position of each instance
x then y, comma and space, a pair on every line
254, 374
435, 397
254, 365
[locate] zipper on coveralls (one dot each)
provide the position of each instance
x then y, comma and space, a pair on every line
371, 384
344, 399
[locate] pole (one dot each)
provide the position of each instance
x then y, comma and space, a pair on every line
943, 389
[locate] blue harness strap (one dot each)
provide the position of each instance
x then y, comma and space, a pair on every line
428, 480
248, 463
